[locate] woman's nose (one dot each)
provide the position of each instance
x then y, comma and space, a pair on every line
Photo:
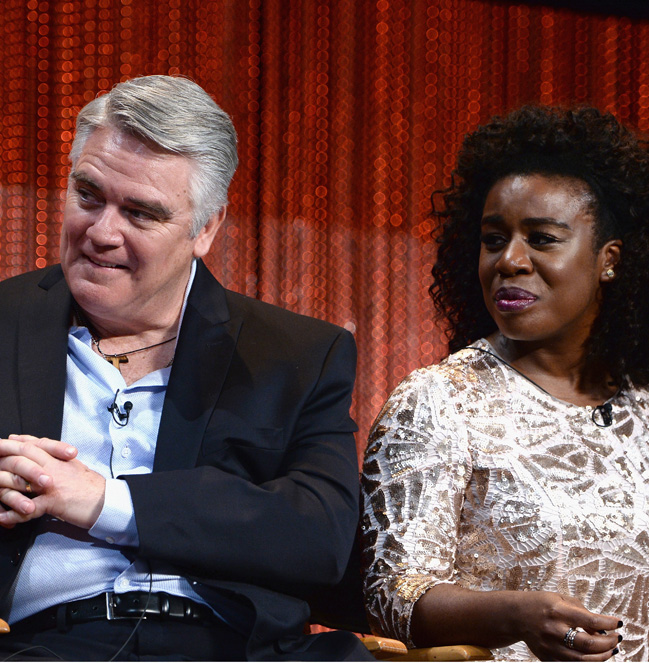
515, 258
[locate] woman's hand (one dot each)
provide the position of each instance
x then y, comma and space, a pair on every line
547, 621
448, 614
39, 475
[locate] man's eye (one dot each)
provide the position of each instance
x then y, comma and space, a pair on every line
86, 196
140, 215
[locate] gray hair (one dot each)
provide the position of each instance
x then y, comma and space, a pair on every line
178, 116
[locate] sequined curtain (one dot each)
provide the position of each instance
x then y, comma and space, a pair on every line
349, 114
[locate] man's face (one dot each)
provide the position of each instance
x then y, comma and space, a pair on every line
126, 245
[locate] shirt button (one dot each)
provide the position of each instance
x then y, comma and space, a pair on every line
109, 539
126, 452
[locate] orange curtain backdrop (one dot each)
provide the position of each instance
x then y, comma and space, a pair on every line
349, 114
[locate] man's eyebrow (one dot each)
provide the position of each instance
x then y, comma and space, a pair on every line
155, 209
81, 178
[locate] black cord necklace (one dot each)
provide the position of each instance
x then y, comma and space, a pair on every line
502, 361
603, 412
122, 357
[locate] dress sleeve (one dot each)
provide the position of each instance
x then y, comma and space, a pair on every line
416, 470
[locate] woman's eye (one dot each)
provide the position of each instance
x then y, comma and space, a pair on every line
492, 240
541, 239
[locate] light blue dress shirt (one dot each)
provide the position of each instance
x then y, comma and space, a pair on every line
66, 563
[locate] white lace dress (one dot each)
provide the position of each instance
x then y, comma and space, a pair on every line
473, 475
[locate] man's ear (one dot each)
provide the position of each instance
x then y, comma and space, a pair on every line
208, 232
610, 255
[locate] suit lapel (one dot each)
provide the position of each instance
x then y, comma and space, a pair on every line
205, 347
42, 353
206, 344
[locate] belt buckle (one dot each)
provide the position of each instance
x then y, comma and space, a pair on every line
110, 608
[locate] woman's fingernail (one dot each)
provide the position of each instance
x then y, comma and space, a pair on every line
616, 651
620, 624
619, 638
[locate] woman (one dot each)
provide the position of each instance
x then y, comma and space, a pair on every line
506, 488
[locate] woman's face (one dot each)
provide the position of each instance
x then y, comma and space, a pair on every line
540, 274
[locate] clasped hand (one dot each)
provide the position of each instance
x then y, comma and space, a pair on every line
42, 476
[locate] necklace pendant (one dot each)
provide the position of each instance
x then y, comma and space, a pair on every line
116, 360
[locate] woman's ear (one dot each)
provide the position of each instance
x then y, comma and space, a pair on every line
609, 255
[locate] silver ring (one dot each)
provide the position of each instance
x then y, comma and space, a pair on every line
569, 638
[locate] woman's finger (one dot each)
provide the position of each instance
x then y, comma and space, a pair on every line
582, 642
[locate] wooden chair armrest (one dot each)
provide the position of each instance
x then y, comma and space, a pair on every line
4, 627
447, 653
386, 649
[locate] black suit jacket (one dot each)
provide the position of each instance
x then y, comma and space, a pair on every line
255, 483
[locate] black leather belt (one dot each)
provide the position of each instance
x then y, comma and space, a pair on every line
110, 606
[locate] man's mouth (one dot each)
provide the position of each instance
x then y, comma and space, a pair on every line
102, 263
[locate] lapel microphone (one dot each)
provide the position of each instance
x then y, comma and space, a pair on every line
604, 411
119, 417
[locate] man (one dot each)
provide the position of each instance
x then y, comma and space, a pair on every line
172, 450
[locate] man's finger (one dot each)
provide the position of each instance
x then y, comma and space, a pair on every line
9, 519
55, 448
30, 471
17, 502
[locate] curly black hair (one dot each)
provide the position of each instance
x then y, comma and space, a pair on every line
580, 143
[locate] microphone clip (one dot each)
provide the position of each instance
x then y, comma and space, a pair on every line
604, 414
119, 417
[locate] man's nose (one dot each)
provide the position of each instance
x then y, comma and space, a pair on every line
515, 258
106, 228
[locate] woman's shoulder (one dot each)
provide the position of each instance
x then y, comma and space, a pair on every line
425, 421
469, 368
441, 393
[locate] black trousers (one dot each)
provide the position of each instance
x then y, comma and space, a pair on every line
153, 640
